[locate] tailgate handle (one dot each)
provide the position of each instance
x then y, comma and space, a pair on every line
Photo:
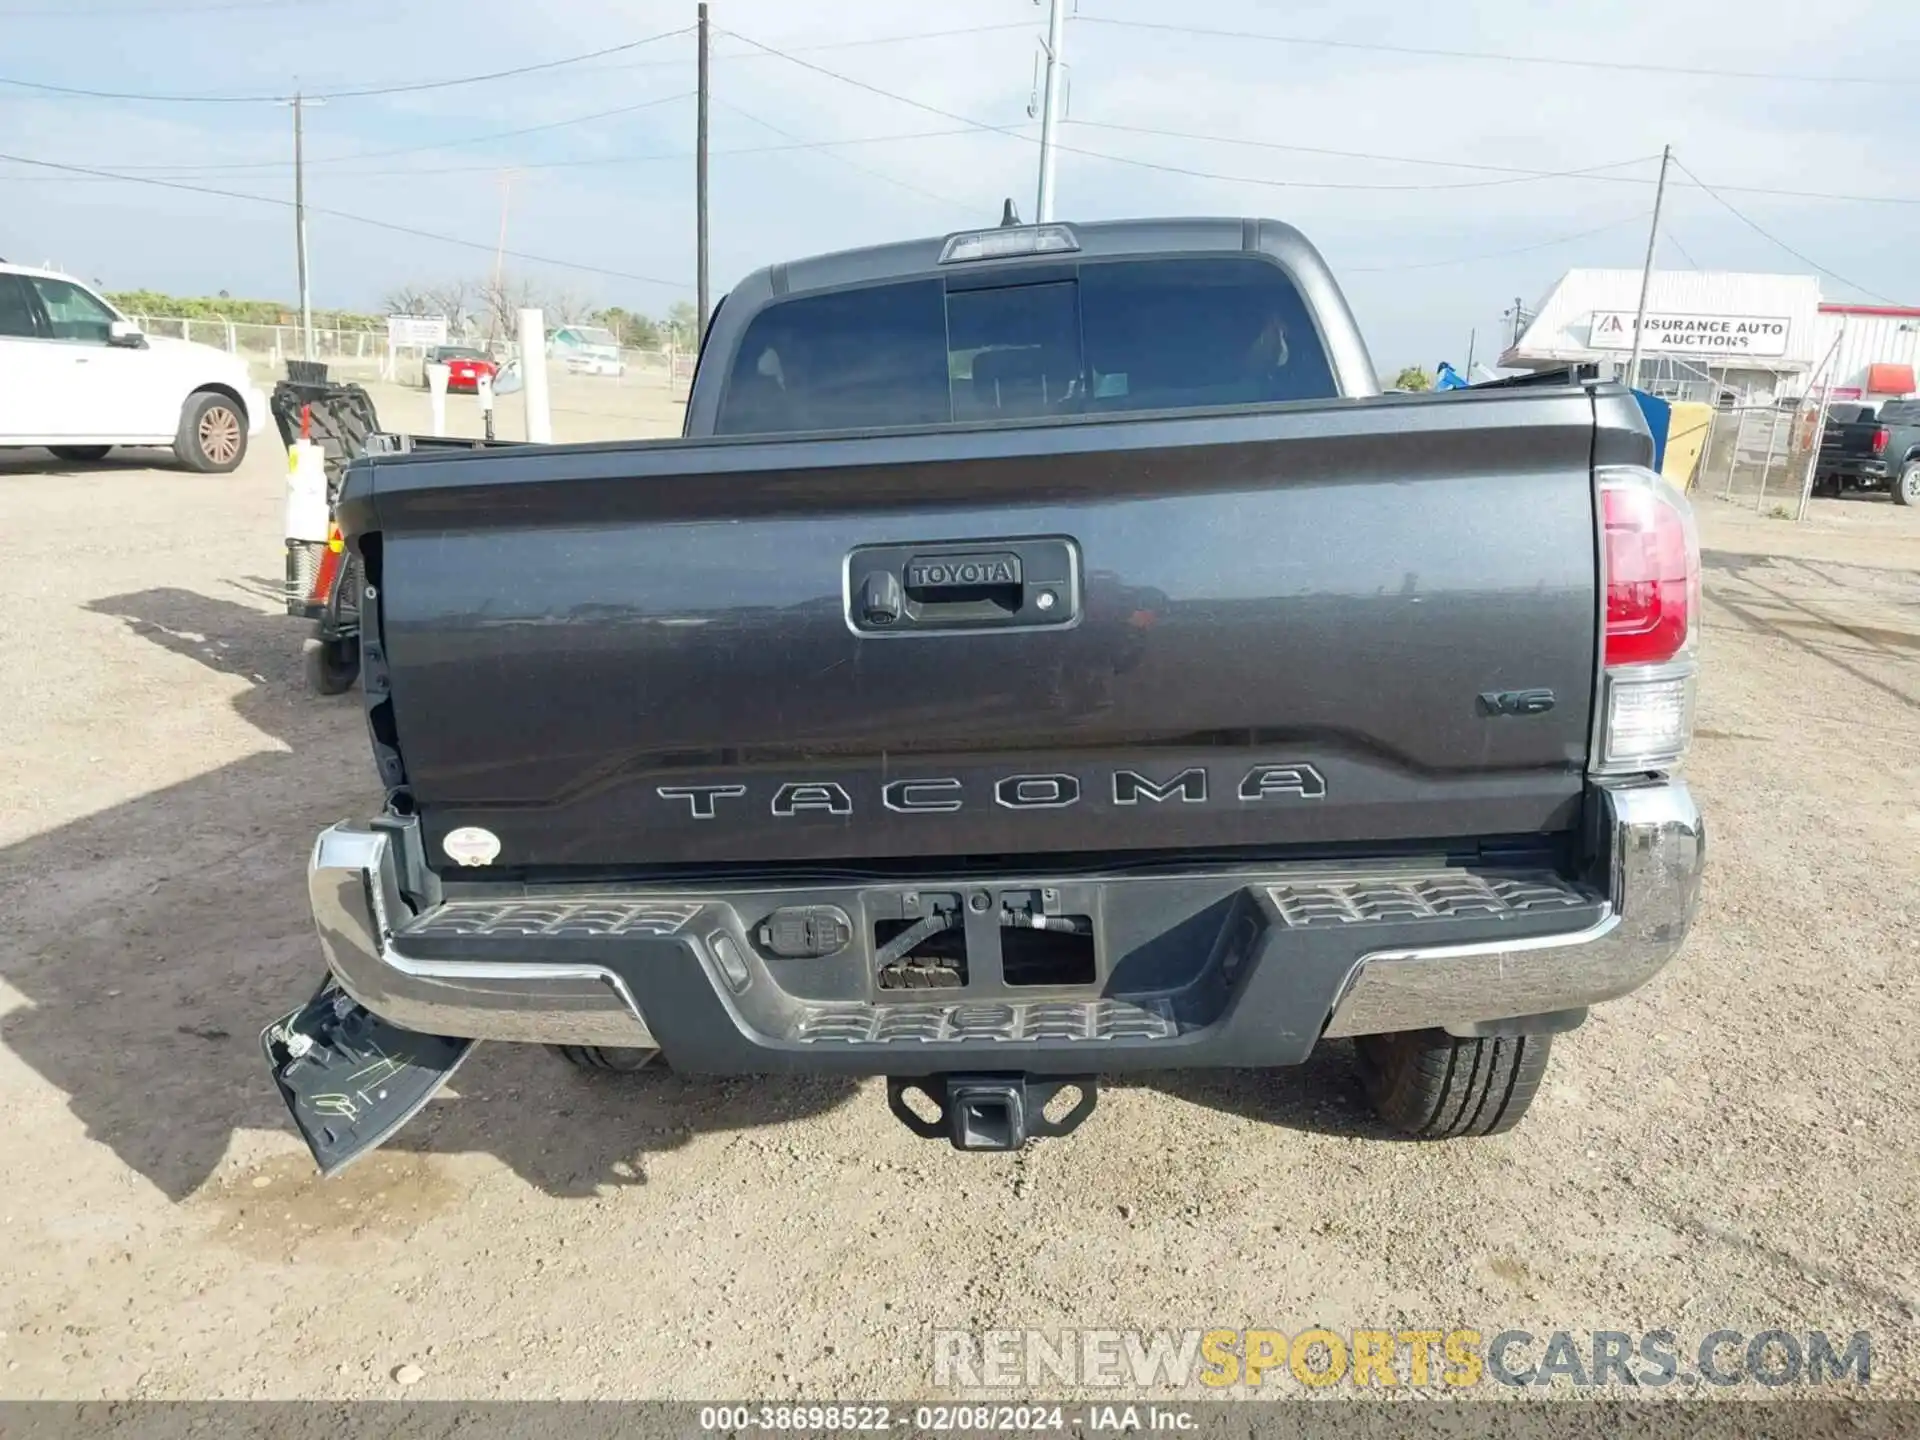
952, 585
993, 584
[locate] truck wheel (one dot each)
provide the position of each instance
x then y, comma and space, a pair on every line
82, 454
331, 665
213, 433
1906, 489
1433, 1086
609, 1057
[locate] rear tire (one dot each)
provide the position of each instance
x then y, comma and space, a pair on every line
213, 433
332, 666
1906, 485
609, 1057
80, 454
1435, 1087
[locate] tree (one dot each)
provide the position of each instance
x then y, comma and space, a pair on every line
453, 299
683, 325
1413, 378
155, 305
629, 326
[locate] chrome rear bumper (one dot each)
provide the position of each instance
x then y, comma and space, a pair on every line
353, 884
1657, 847
1651, 834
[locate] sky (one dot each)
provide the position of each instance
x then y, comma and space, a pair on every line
1435, 217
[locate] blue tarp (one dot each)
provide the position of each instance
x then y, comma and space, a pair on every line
1659, 416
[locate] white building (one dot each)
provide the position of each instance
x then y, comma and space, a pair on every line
1730, 339
1874, 351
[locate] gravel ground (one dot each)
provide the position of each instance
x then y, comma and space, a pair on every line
1735, 1146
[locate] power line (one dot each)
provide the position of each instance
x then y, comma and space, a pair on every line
355, 219
1814, 194
199, 169
938, 199
1588, 173
966, 120
842, 44
1594, 172
1496, 254
1434, 52
1334, 184
168, 12
1010, 132
1754, 226
1339, 154
1514, 175
490, 167
408, 89
1674, 240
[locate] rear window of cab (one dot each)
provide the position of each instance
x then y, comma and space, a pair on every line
1107, 337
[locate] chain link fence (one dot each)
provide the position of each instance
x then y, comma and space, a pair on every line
360, 354
266, 348
1758, 454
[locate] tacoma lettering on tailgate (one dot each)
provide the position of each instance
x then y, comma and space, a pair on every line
938, 794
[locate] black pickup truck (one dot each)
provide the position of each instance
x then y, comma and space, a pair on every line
1869, 451
1047, 655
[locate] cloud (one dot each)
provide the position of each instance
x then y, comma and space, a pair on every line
636, 214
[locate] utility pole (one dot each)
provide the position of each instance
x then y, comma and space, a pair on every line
500, 249
1050, 107
1646, 273
299, 104
496, 302
700, 187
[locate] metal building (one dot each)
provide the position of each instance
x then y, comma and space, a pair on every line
1868, 352
1725, 338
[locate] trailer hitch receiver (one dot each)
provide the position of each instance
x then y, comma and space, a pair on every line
991, 1112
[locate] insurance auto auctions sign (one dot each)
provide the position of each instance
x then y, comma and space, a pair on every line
1759, 335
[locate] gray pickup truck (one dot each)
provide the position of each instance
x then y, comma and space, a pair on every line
1046, 655
1864, 450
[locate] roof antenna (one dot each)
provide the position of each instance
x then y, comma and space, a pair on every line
1008, 215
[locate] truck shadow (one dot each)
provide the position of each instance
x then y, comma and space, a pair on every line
1321, 1097
153, 940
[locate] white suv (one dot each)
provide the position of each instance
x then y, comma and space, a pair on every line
78, 377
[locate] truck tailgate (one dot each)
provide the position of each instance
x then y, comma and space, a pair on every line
1332, 622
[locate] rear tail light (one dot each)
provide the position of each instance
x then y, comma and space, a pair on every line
1880, 439
1653, 567
1651, 562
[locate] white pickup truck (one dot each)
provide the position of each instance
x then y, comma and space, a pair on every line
78, 377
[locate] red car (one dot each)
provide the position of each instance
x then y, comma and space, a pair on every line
464, 365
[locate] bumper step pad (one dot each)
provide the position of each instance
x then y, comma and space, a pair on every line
349, 1078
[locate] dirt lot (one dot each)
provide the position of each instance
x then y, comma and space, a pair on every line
1736, 1146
